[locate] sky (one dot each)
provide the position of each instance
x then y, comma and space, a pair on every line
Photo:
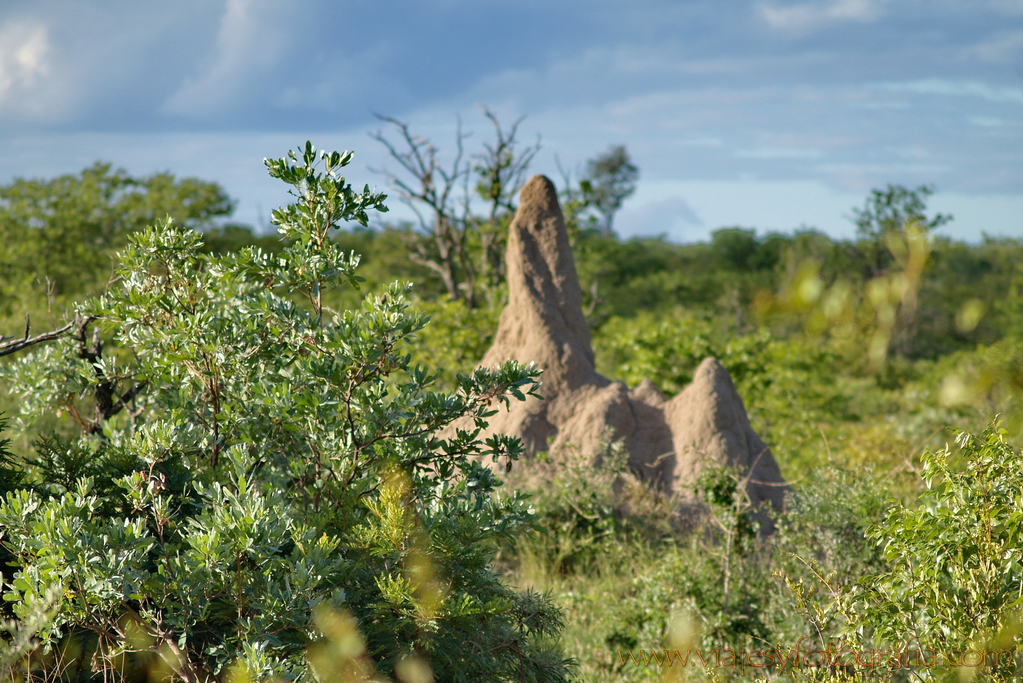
771, 114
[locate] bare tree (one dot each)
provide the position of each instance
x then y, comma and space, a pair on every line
500, 171
432, 186
459, 245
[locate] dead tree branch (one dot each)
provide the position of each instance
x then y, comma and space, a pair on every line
466, 251
501, 170
10, 345
432, 186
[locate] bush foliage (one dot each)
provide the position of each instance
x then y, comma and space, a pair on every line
277, 487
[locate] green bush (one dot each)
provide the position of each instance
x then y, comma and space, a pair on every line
456, 339
57, 236
954, 580
261, 483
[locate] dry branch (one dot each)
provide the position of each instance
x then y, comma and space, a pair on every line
10, 345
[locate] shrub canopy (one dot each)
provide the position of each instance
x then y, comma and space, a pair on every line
269, 487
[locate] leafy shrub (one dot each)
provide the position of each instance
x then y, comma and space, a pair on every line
456, 339
10, 473
58, 235
955, 559
265, 481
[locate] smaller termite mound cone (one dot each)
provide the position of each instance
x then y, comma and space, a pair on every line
709, 424
668, 441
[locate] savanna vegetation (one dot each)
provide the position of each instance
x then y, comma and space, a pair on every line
232, 462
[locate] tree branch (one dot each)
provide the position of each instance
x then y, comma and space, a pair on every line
13, 345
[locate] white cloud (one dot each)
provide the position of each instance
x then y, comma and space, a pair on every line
993, 122
807, 16
864, 169
24, 64
1010, 7
881, 105
700, 142
942, 86
247, 42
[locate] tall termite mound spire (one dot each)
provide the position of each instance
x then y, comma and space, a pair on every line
667, 441
544, 318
